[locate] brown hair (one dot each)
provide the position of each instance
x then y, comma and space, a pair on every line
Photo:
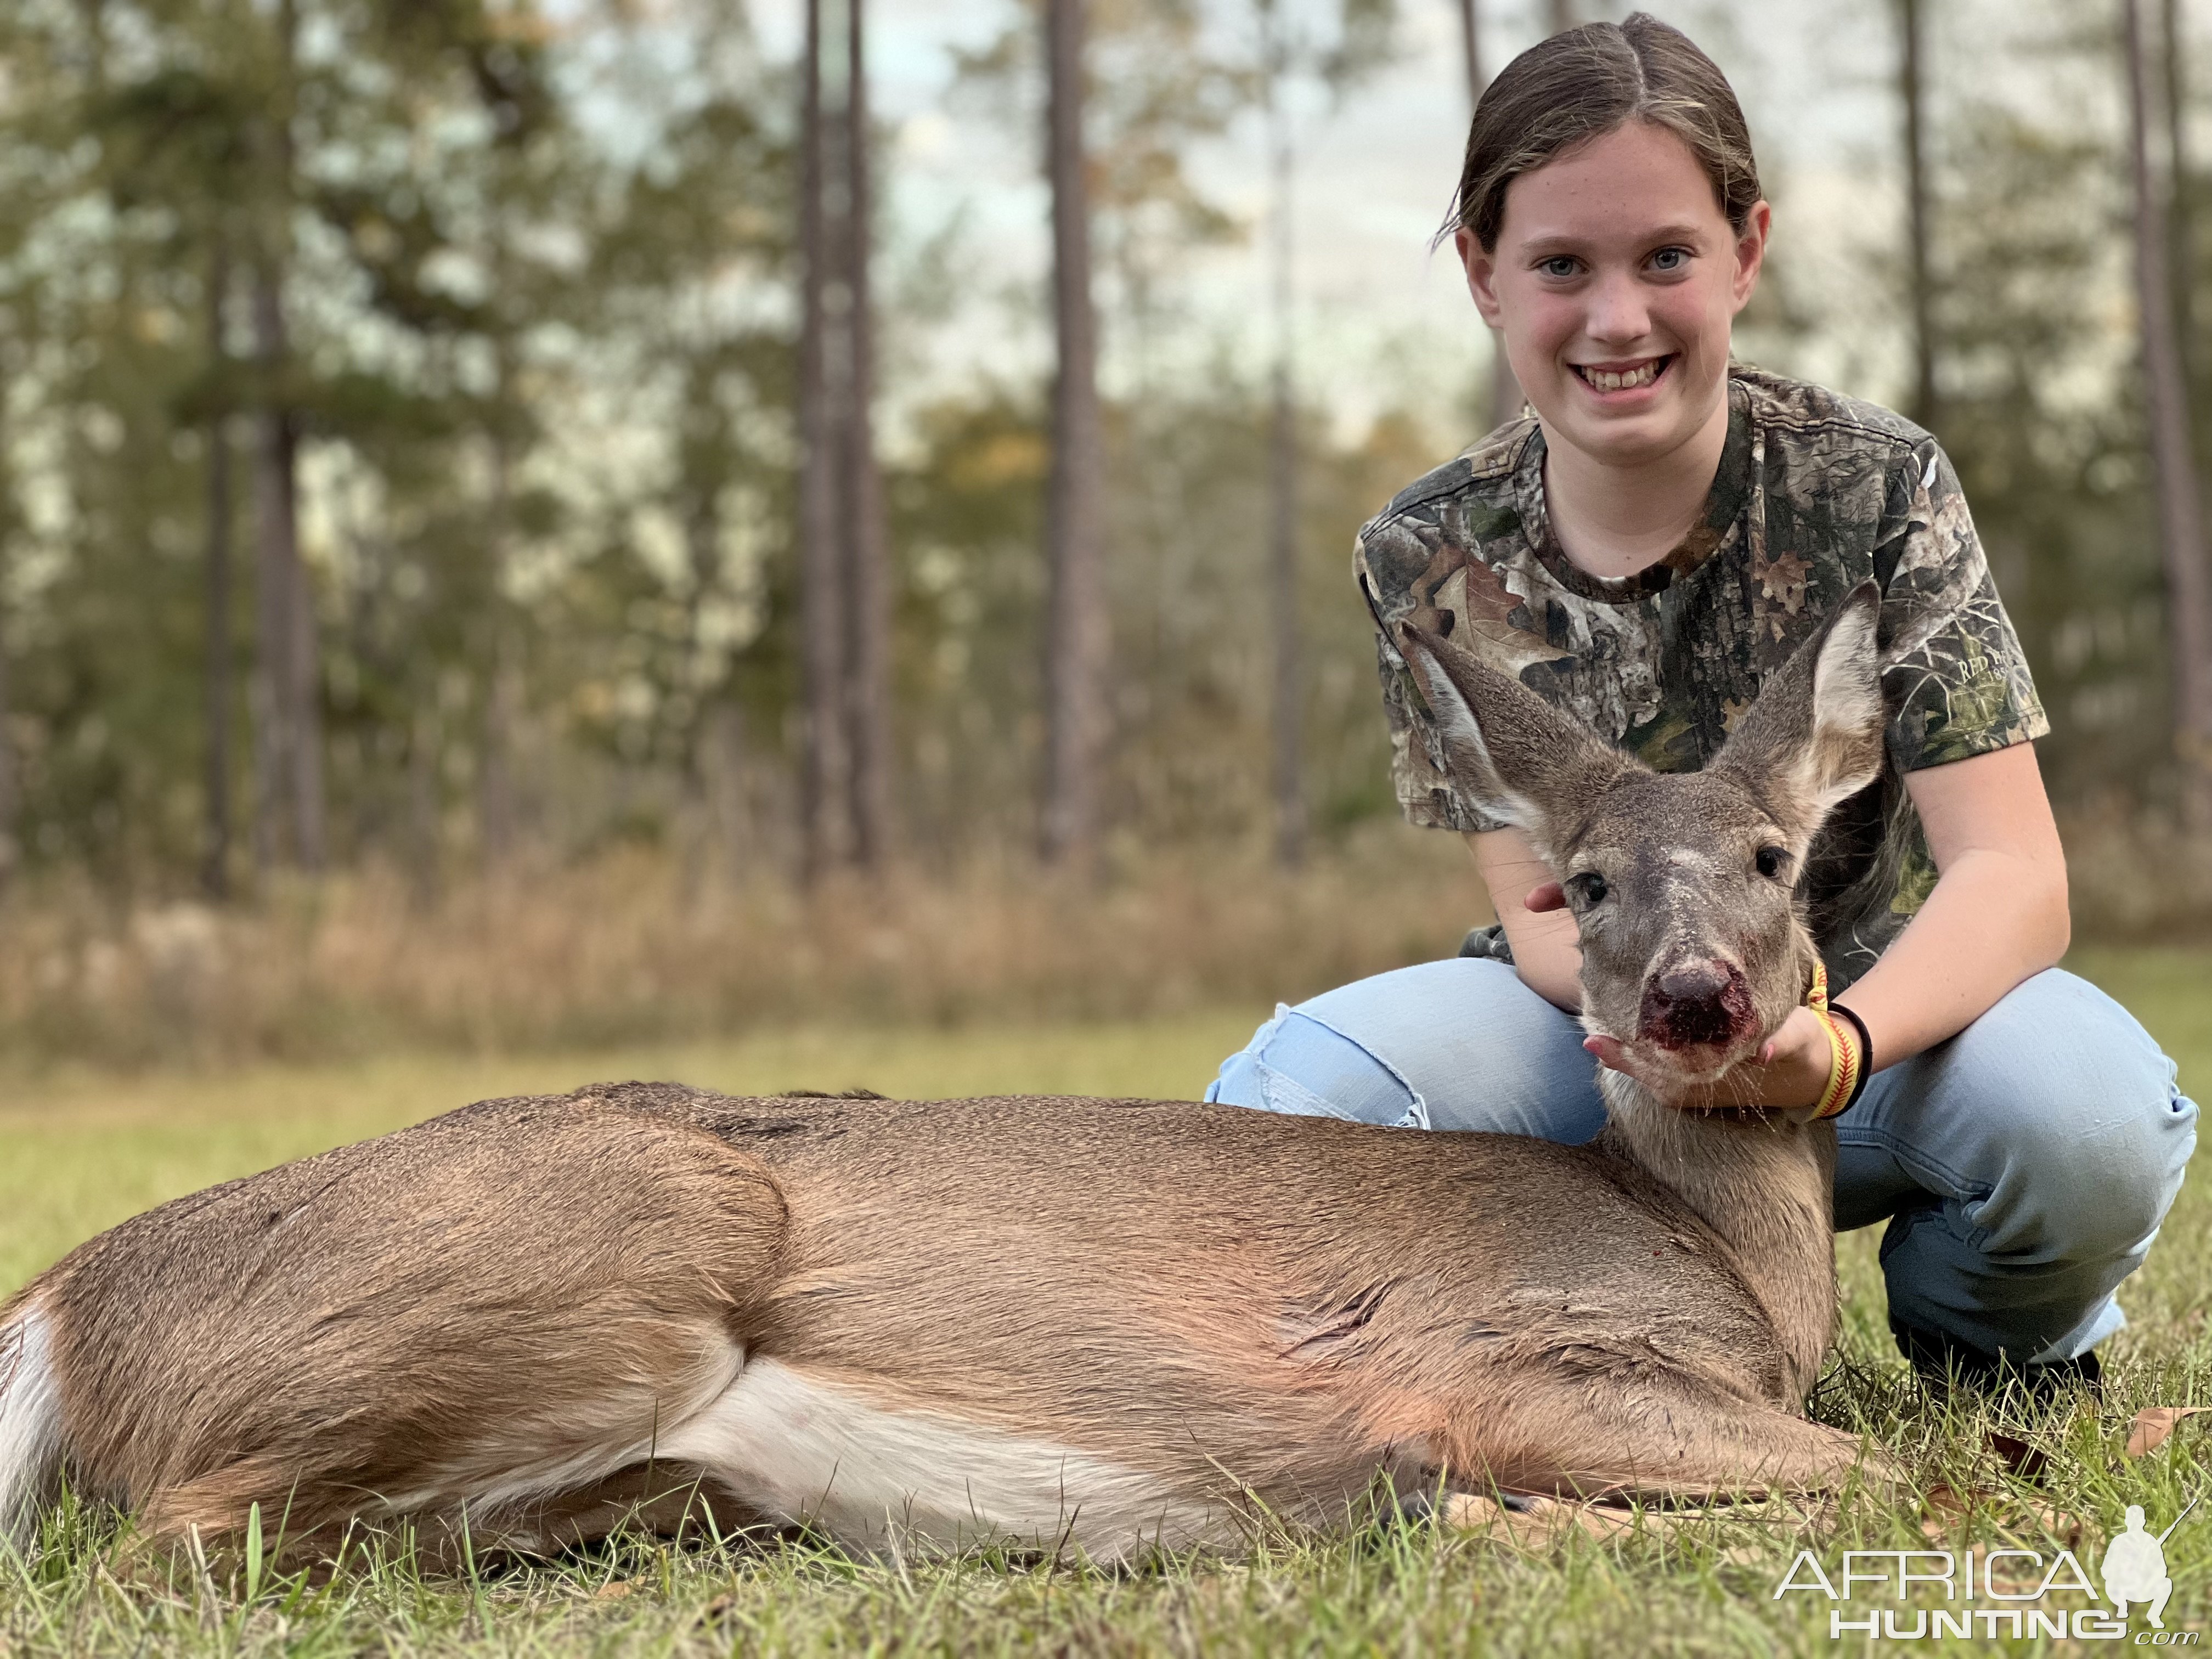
1582, 84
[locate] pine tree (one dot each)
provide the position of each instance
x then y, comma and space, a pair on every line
2173, 450
1077, 643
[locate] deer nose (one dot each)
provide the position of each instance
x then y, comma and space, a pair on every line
1694, 982
1696, 1002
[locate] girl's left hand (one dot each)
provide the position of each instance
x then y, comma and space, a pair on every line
1790, 1071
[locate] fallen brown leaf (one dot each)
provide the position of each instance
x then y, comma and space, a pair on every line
614, 1592
2153, 1425
2026, 1461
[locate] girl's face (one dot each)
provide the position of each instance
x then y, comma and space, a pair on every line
1615, 279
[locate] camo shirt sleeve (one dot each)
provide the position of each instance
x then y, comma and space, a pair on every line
1954, 676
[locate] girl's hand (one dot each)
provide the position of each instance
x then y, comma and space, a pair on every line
1788, 1071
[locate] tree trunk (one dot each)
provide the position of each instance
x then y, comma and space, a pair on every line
699, 842
308, 822
1470, 38
2181, 245
822, 765
425, 747
1282, 471
11, 796
277, 739
503, 703
2188, 582
269, 746
11, 778
214, 867
286, 608
1505, 392
291, 659
502, 711
719, 759
867, 589
1076, 641
1913, 96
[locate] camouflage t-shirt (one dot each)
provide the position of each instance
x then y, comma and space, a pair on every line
1815, 493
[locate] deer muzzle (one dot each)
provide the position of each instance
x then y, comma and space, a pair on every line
1696, 1004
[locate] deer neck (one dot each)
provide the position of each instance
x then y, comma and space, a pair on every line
1766, 1185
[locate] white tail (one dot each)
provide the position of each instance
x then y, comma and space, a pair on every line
30, 1424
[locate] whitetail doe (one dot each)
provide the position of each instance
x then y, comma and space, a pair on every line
1113, 1325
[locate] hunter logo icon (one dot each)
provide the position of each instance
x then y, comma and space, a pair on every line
1997, 1593
2134, 1566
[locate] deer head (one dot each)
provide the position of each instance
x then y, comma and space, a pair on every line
1683, 884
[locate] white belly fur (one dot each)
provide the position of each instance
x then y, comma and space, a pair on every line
30, 1423
801, 1451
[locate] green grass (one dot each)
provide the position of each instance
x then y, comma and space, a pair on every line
79, 1151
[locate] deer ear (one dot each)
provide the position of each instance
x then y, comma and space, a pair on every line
1517, 756
1814, 736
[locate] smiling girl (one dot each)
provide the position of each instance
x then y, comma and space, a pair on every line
1662, 530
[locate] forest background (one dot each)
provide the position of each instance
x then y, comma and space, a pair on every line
488, 557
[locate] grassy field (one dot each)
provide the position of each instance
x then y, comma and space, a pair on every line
80, 1151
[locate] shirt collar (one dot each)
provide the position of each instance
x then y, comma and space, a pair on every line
1734, 486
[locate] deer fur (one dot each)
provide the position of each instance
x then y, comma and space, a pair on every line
1112, 1325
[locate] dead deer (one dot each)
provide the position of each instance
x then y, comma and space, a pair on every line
1112, 1325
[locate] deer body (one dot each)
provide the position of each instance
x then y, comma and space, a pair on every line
1119, 1325
956, 1320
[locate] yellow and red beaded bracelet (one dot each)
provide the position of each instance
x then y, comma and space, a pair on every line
1848, 1066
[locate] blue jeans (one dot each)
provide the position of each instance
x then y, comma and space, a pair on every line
2023, 1166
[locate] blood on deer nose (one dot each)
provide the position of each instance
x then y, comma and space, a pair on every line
1695, 1003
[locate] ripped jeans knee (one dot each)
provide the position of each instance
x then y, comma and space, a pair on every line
1458, 1044
1298, 1066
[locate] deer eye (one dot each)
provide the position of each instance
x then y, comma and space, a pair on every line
1589, 887
1773, 862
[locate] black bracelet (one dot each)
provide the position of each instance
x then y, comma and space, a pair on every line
1866, 1052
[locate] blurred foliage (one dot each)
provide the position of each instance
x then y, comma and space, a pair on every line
540, 303
2058, 479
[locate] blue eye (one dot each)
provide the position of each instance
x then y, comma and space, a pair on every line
1671, 259
1563, 265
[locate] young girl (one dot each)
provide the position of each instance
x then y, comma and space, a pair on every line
1664, 531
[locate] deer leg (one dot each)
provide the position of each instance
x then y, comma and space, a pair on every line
662, 1500
517, 1350
1676, 1441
